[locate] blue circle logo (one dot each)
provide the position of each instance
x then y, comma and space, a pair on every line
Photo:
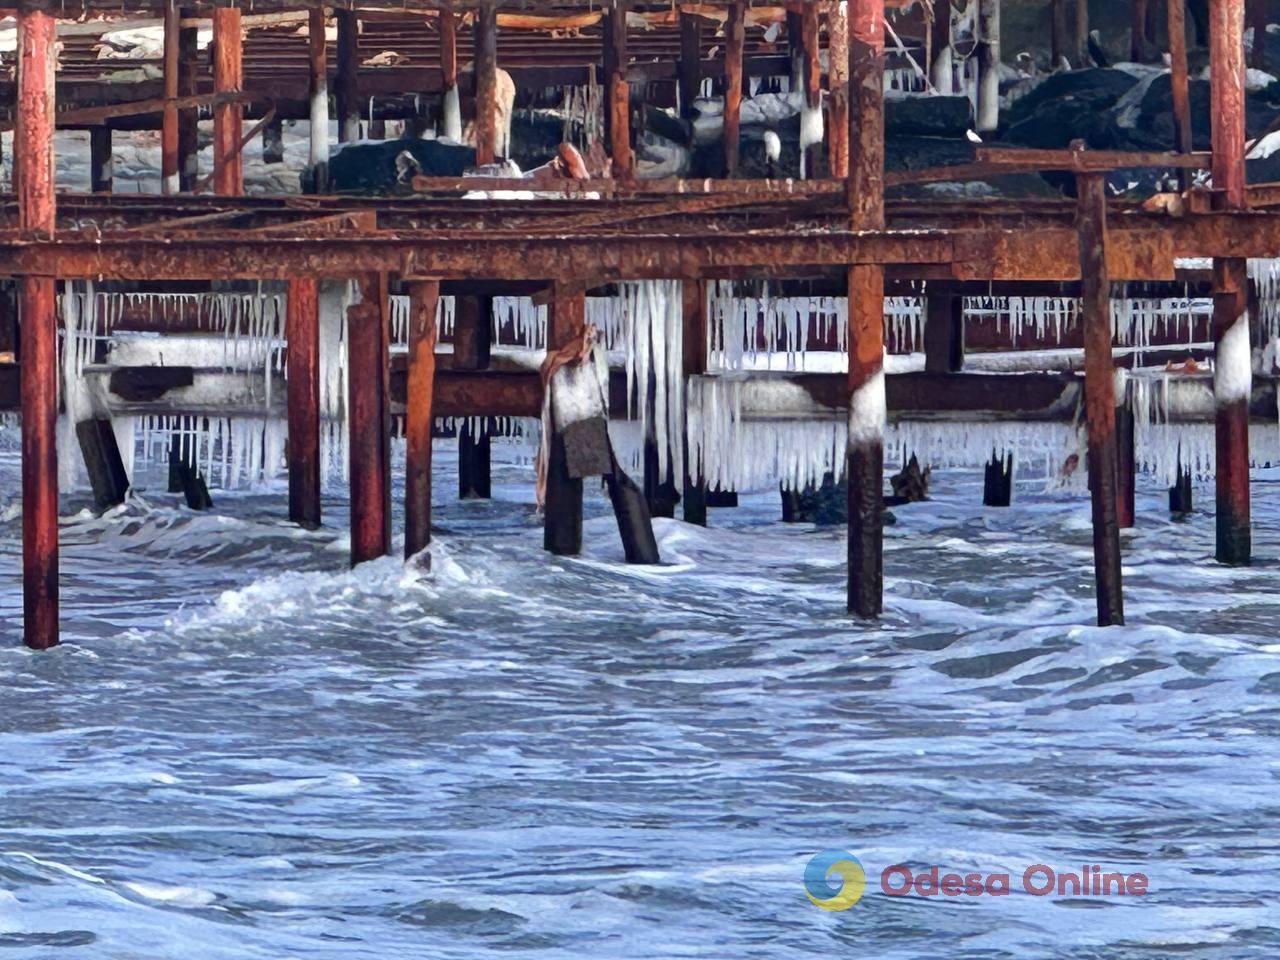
842, 863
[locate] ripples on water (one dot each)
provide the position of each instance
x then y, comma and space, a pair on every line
245, 750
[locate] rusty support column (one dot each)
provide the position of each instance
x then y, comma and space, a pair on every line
472, 340
451, 106
1233, 364
188, 120
694, 314
368, 373
562, 521
346, 82
169, 183
318, 91
100, 159
988, 65
228, 77
865, 457
619, 91
811, 77
1100, 404
302, 334
690, 70
38, 337
943, 331
735, 40
1178, 80
423, 297
486, 77
838, 89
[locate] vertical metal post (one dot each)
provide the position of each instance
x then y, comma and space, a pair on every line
423, 297
302, 332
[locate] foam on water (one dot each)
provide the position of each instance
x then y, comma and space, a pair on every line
246, 749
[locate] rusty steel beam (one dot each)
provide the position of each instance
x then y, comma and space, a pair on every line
619, 91
228, 77
420, 388
1179, 79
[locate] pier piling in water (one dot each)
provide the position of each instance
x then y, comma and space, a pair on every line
302, 334
369, 445
424, 296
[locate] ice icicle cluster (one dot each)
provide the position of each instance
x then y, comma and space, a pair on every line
1265, 275
742, 329
517, 321
654, 311
231, 452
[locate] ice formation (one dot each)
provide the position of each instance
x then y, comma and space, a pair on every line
654, 311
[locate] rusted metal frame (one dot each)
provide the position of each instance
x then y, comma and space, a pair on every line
1084, 161
302, 333
228, 77
368, 385
619, 92
169, 123
865, 450
92, 116
1100, 407
318, 102
735, 39
197, 222
419, 394
562, 508
485, 28
238, 151
346, 82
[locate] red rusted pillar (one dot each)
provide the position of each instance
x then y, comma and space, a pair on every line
1257, 12
189, 119
346, 82
472, 341
1100, 404
690, 68
735, 40
1233, 365
169, 122
838, 87
1178, 80
302, 332
619, 91
1126, 456
486, 75
865, 460
451, 111
228, 77
318, 89
695, 362
562, 520
811, 75
38, 337
423, 297
368, 373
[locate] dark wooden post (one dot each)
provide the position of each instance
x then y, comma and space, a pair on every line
865, 460
486, 76
228, 77
1100, 405
811, 76
690, 69
370, 426
735, 40
423, 298
619, 91
695, 363
472, 340
189, 119
1082, 33
1060, 41
346, 83
1178, 80
1138, 31
943, 330
100, 161
169, 162
562, 521
302, 332
838, 86
1126, 466
273, 142
318, 90
38, 375
1233, 365
1257, 13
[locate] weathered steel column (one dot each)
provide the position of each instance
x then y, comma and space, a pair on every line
1100, 404
988, 65
100, 159
943, 330
865, 459
1233, 363
451, 106
838, 89
735, 39
486, 77
472, 340
811, 76
347, 87
690, 67
228, 77
695, 362
562, 506
302, 333
38, 331
423, 298
941, 51
318, 91
189, 119
619, 91
368, 373
169, 182
1178, 80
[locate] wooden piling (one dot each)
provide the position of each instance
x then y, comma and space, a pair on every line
838, 89
100, 159
451, 108
188, 120
997, 482
694, 307
619, 91
169, 181
1100, 405
346, 81
865, 458
1126, 466
302, 333
423, 299
811, 78
228, 77
368, 372
689, 72
1179, 81
472, 342
38, 338
1233, 366
318, 90
943, 330
486, 76
102, 460
735, 40
562, 507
